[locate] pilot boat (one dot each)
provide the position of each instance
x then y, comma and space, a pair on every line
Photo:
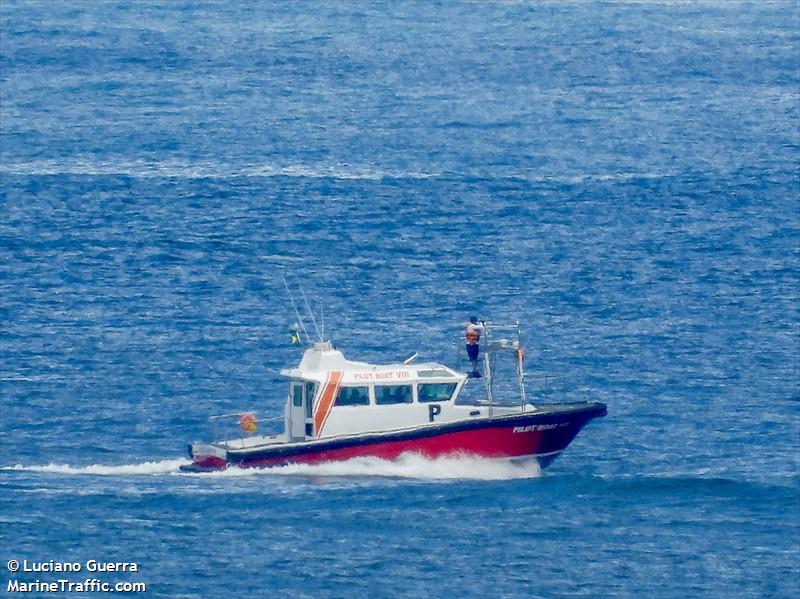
338, 409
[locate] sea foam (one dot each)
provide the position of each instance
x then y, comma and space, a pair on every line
412, 466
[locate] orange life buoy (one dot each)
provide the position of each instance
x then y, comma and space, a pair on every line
248, 423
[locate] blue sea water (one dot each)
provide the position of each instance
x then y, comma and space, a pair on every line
622, 177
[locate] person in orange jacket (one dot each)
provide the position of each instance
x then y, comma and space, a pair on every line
472, 335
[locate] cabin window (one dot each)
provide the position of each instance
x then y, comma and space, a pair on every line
430, 373
393, 394
435, 392
297, 395
352, 396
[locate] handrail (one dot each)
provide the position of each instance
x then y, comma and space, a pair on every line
218, 421
500, 326
232, 414
491, 346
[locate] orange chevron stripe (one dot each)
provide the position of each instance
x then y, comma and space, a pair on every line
325, 402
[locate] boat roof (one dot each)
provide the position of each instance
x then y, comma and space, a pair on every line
322, 358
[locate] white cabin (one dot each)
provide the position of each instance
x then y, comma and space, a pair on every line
331, 396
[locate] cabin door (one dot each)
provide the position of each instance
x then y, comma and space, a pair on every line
298, 410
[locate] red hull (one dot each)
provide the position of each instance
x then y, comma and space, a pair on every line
488, 443
542, 435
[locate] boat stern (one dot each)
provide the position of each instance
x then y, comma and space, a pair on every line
206, 457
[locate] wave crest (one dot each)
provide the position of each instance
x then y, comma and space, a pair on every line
208, 170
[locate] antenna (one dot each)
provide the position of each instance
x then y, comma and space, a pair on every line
308, 309
410, 358
296, 311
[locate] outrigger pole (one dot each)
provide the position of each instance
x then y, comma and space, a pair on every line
296, 311
309, 310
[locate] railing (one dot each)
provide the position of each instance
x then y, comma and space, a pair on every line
240, 425
495, 343
544, 383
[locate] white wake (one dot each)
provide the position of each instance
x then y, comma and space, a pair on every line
411, 466
144, 468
